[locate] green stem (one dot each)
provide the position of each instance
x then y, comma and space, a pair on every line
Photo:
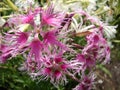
4, 9
10, 4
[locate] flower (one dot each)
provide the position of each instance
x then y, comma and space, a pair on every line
53, 68
14, 44
51, 38
36, 47
22, 37
50, 18
5, 53
47, 48
97, 47
86, 61
27, 18
21, 19
86, 83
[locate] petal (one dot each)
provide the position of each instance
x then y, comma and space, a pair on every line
58, 60
96, 39
57, 74
81, 58
36, 47
47, 71
64, 66
22, 38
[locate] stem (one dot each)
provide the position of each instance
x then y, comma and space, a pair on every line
3, 67
73, 77
6, 17
10, 3
4, 9
77, 46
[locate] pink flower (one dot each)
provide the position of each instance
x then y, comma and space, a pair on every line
50, 37
15, 20
33, 62
96, 50
97, 47
86, 83
21, 19
22, 37
51, 18
5, 53
14, 44
18, 41
28, 19
87, 61
55, 69
36, 47
47, 46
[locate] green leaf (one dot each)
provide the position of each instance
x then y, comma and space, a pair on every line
19, 80
10, 4
116, 41
4, 9
104, 69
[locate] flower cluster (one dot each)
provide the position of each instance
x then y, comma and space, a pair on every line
45, 39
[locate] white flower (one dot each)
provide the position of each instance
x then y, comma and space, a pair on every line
110, 31
24, 3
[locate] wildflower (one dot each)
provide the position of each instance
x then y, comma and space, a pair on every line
47, 47
54, 68
86, 83
5, 53
27, 19
51, 18
97, 47
86, 61
21, 19
50, 37
14, 44
22, 37
36, 47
